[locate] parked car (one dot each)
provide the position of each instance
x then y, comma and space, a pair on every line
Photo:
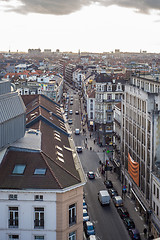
112, 192
129, 223
84, 204
123, 213
134, 234
70, 112
89, 228
108, 184
79, 149
77, 131
117, 200
85, 216
70, 121
92, 237
91, 175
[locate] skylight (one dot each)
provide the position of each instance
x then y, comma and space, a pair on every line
19, 169
40, 171
58, 147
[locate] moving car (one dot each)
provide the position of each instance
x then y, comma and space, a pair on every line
79, 149
89, 228
129, 223
123, 213
108, 184
117, 200
91, 175
85, 215
134, 234
77, 112
77, 131
104, 197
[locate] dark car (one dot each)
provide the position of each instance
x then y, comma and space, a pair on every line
89, 228
77, 112
134, 234
91, 175
112, 192
79, 149
129, 223
108, 184
123, 212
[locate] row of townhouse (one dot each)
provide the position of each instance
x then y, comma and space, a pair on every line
127, 114
108, 91
49, 84
41, 178
137, 146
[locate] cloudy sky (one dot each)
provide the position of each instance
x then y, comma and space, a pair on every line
88, 25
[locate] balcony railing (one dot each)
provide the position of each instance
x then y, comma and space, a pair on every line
13, 223
39, 223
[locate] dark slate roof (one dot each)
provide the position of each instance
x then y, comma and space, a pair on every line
103, 78
52, 152
56, 177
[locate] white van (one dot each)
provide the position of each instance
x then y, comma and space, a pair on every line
104, 197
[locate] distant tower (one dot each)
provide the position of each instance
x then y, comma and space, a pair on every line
79, 53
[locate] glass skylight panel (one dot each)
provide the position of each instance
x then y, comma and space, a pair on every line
58, 147
19, 169
60, 154
57, 139
60, 159
40, 171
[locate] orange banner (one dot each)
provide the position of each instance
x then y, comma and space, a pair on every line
133, 169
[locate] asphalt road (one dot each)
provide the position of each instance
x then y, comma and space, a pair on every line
108, 224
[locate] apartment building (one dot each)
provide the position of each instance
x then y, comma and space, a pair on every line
117, 133
78, 78
109, 92
140, 144
69, 69
41, 178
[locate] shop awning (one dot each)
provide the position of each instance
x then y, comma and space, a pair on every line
139, 200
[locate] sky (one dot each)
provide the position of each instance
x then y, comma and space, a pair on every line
85, 25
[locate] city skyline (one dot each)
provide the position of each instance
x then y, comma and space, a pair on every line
88, 26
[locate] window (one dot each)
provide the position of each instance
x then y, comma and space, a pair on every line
109, 87
12, 237
38, 197
72, 214
19, 169
39, 237
72, 236
154, 189
40, 171
39, 218
109, 96
12, 197
13, 217
157, 211
157, 193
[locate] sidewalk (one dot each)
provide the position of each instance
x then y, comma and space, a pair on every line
128, 202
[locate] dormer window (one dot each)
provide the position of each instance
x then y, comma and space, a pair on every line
109, 88
40, 171
19, 169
